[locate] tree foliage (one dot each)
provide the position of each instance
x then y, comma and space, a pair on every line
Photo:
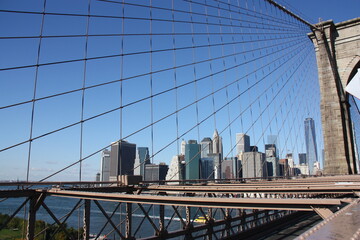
43, 230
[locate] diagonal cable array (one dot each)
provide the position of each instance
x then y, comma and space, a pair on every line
77, 79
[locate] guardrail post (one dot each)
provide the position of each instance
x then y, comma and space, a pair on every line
31, 219
87, 205
162, 230
128, 232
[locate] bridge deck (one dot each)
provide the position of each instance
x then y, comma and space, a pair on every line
345, 224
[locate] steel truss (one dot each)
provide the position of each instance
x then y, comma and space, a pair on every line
173, 211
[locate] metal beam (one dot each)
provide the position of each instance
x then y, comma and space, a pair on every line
61, 225
128, 230
216, 224
87, 208
108, 219
14, 214
343, 224
31, 219
262, 188
17, 193
248, 203
323, 212
146, 214
162, 229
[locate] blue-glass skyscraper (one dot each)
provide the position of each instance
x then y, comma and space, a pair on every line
192, 159
206, 168
142, 158
310, 141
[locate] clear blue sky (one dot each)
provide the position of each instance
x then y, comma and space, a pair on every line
337, 10
53, 152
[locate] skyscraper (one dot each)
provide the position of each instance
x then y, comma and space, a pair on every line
182, 148
242, 143
156, 172
272, 149
271, 160
254, 149
272, 139
310, 141
290, 159
216, 158
217, 154
207, 168
283, 167
253, 165
217, 143
303, 168
105, 166
176, 168
192, 159
122, 158
142, 158
97, 178
206, 147
229, 168
302, 158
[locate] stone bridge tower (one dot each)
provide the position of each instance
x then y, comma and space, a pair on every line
337, 49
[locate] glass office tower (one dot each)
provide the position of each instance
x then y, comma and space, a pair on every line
310, 141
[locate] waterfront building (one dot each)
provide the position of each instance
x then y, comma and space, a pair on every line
122, 158
105, 166
156, 172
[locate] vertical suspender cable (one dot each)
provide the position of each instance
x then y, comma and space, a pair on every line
35, 89
83, 91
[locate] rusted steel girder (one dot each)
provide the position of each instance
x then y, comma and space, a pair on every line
305, 204
17, 193
87, 205
245, 218
262, 188
31, 219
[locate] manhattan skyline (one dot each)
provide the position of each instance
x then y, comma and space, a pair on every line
83, 122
